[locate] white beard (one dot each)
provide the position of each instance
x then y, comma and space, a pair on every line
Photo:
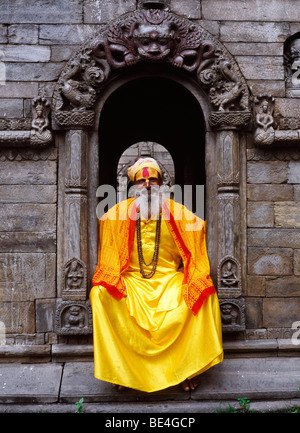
149, 205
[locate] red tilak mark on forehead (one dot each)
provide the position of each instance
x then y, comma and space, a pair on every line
146, 172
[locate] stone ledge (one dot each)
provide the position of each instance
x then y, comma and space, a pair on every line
84, 352
25, 353
66, 352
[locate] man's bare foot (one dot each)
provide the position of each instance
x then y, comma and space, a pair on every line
189, 384
119, 387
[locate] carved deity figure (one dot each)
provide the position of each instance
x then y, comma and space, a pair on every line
74, 277
40, 134
264, 133
74, 317
229, 276
229, 314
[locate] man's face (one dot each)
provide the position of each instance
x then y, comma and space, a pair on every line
147, 177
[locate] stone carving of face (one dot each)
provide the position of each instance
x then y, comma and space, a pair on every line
154, 43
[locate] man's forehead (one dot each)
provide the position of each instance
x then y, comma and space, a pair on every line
146, 172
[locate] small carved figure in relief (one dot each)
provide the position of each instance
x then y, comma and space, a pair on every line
40, 134
229, 314
74, 317
74, 276
264, 133
229, 276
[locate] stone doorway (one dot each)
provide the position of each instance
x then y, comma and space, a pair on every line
146, 110
203, 98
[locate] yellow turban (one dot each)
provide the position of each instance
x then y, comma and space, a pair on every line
141, 163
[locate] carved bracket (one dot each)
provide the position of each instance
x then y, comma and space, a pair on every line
151, 35
39, 136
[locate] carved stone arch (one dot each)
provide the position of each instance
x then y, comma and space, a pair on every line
156, 37
151, 43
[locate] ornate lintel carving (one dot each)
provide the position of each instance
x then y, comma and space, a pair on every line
151, 35
39, 136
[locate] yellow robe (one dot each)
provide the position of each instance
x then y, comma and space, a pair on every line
149, 339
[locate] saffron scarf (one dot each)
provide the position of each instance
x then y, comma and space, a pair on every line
116, 236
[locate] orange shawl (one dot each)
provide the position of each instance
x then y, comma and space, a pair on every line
116, 236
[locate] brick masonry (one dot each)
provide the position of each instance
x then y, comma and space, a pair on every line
36, 40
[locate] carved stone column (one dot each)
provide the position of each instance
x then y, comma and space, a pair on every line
230, 228
73, 313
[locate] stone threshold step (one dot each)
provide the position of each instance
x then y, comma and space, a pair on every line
254, 378
191, 407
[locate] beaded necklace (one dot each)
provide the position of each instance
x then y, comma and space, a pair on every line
140, 248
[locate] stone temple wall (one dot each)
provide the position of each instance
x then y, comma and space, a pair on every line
37, 38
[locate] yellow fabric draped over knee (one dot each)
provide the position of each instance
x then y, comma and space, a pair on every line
150, 340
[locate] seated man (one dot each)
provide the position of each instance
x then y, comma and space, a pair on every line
154, 326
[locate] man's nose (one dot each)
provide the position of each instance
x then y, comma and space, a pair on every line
147, 183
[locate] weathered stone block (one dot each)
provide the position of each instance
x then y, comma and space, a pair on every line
45, 315
28, 241
62, 53
286, 107
267, 171
3, 34
297, 262
280, 312
285, 238
19, 90
25, 277
297, 192
41, 11
25, 53
269, 192
261, 67
28, 194
270, 261
273, 87
33, 71
253, 313
287, 214
27, 217
294, 172
260, 214
187, 8
28, 173
254, 49
97, 11
239, 10
11, 107
18, 317
256, 286
253, 31
283, 286
66, 34
23, 34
